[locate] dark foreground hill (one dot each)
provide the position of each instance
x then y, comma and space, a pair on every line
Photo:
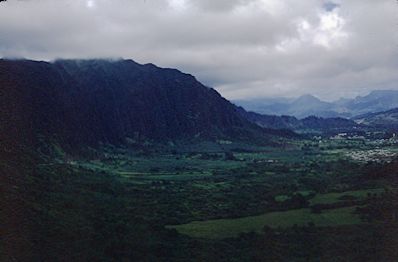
92, 101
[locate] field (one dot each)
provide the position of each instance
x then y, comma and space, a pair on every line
208, 199
212, 183
336, 197
224, 228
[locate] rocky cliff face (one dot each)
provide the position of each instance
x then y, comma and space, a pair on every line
91, 101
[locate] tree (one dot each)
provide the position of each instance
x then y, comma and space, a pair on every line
229, 156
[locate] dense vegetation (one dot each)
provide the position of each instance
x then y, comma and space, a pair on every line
302, 203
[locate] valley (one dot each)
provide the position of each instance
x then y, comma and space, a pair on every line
118, 161
220, 192
198, 131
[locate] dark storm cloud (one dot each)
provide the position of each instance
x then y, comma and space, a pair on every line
244, 48
330, 6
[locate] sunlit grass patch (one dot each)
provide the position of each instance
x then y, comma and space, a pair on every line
223, 228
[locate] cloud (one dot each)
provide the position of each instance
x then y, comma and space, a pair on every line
330, 6
243, 48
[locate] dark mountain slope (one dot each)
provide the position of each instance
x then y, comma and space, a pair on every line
271, 121
313, 122
91, 101
30, 101
386, 119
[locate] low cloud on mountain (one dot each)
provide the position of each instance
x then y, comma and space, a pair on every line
244, 48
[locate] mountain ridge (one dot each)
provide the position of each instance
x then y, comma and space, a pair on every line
386, 119
310, 123
307, 105
92, 101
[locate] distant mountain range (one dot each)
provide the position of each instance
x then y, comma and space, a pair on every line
309, 105
308, 124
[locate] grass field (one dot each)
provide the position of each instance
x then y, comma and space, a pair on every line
223, 228
335, 197
161, 163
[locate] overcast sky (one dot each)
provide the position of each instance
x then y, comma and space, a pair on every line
243, 48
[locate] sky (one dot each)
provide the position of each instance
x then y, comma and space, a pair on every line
243, 48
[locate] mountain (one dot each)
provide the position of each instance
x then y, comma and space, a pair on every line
328, 124
301, 107
308, 105
88, 102
311, 123
268, 106
376, 101
386, 119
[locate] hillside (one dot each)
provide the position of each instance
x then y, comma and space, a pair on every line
376, 101
91, 101
311, 123
386, 119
